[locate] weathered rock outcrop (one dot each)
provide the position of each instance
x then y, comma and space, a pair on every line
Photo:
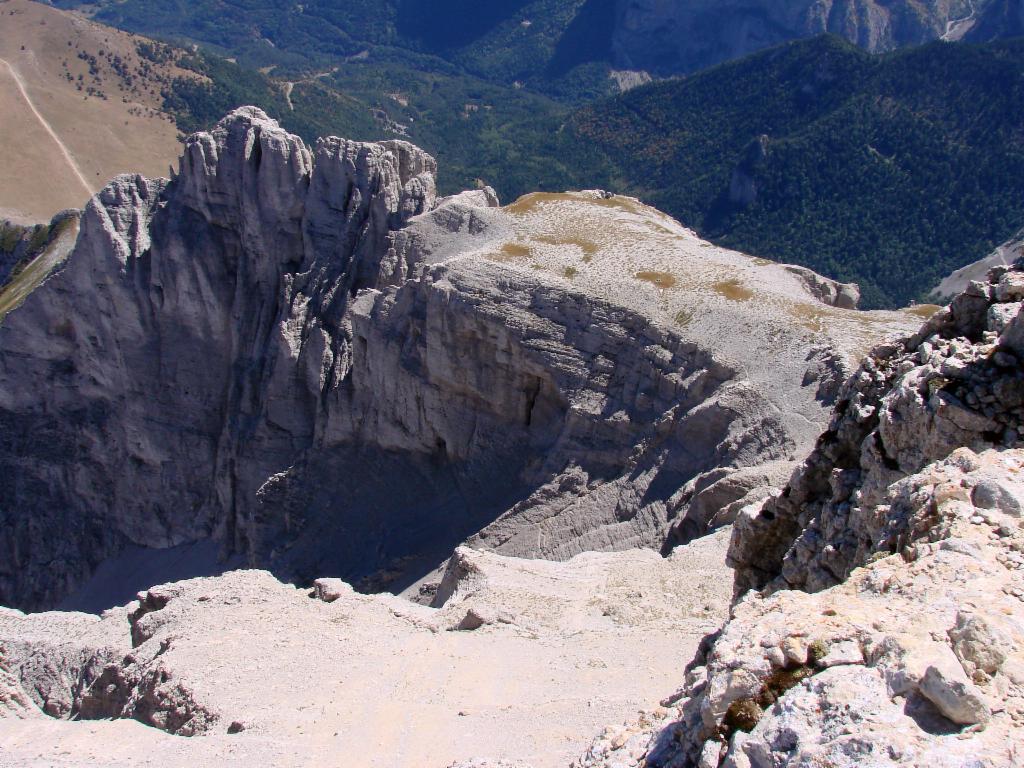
889, 623
831, 292
81, 667
957, 382
303, 355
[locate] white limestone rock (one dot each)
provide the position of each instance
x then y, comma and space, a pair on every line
954, 695
879, 610
225, 352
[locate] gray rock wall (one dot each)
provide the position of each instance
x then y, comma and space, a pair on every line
178, 358
295, 352
678, 36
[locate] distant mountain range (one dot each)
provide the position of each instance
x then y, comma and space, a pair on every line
556, 46
891, 171
680, 36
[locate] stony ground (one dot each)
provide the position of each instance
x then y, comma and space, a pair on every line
559, 651
880, 600
757, 311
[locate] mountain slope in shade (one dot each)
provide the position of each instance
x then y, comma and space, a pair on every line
678, 36
999, 19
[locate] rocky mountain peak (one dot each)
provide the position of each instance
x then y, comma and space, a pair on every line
210, 281
277, 320
300, 359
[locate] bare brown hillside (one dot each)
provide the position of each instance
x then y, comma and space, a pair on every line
79, 105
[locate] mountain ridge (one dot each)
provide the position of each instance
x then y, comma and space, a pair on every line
530, 373
531, 41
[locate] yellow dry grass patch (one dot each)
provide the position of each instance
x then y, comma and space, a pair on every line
809, 316
663, 280
516, 251
529, 203
627, 204
733, 290
511, 252
924, 311
588, 247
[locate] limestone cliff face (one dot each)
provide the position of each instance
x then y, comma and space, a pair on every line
302, 355
179, 357
672, 36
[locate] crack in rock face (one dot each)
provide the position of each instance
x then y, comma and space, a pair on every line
302, 355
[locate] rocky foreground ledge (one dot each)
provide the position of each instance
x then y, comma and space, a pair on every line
879, 617
524, 657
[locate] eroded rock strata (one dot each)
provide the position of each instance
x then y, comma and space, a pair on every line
302, 355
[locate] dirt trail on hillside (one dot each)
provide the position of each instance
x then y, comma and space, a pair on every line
48, 128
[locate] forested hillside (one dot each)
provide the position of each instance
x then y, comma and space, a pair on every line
559, 47
890, 171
